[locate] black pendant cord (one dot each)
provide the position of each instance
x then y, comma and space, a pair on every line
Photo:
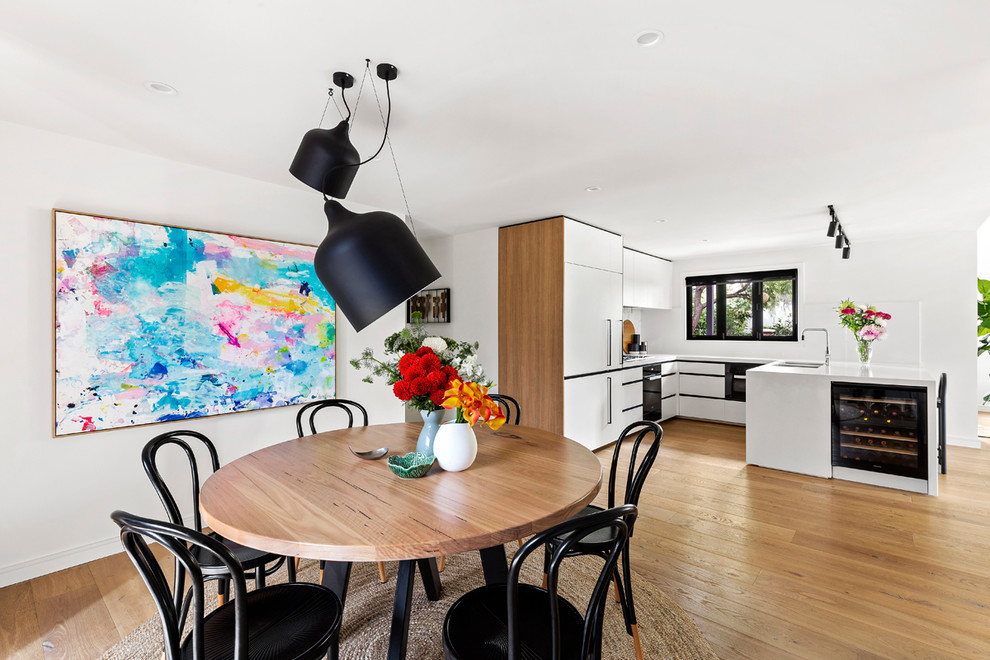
388, 118
391, 151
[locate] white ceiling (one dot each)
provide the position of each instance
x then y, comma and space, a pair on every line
738, 129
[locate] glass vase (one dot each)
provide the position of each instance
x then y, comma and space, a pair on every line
865, 349
431, 423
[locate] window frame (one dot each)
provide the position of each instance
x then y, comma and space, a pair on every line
718, 286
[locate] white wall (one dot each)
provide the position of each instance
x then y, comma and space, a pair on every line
56, 494
468, 264
926, 283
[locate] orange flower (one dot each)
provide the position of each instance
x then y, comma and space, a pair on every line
473, 403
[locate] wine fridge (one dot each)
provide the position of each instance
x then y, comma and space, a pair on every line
880, 429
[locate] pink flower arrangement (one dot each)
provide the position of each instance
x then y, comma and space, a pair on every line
867, 324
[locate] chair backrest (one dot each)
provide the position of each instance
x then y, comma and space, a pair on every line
310, 409
509, 406
149, 457
573, 531
134, 531
639, 465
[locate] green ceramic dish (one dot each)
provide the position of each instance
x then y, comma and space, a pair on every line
412, 465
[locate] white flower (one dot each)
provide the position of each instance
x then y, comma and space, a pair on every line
881, 322
437, 344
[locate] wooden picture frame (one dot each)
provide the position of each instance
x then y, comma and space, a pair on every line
433, 304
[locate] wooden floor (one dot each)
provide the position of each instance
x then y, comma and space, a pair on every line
769, 564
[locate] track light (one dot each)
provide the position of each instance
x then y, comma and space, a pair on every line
834, 224
835, 229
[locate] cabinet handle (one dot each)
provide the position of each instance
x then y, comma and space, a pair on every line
608, 343
609, 399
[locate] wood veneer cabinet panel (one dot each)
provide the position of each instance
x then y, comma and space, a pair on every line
531, 320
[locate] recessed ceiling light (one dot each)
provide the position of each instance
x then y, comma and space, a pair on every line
592, 189
160, 88
660, 222
648, 38
704, 240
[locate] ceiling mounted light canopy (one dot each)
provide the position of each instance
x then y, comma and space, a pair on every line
369, 263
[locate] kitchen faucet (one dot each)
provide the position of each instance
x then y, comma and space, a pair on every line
826, 339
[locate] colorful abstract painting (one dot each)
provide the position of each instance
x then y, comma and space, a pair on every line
156, 323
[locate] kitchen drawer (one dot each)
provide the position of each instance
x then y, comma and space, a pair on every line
668, 408
669, 385
631, 395
702, 385
668, 368
627, 376
735, 411
701, 408
715, 368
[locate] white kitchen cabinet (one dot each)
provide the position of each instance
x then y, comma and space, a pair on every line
560, 314
646, 280
735, 412
690, 406
592, 332
702, 385
713, 368
592, 412
669, 408
593, 247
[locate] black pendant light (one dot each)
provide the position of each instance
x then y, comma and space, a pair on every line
326, 160
370, 263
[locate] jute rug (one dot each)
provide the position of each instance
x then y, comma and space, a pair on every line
665, 630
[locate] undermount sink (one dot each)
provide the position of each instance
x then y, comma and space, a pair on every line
800, 365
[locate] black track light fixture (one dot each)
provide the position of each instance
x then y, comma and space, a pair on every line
834, 224
369, 262
835, 229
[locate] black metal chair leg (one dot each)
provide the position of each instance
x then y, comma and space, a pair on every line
223, 591
259, 577
290, 564
630, 609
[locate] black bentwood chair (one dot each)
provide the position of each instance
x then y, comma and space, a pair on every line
308, 413
518, 621
601, 543
250, 559
296, 620
509, 406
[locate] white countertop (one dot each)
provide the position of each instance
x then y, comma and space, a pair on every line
854, 372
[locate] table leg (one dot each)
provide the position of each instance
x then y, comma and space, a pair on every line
336, 574
494, 565
430, 573
404, 582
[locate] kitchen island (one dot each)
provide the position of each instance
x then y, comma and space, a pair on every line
791, 408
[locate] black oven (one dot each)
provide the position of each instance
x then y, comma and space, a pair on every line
735, 380
652, 392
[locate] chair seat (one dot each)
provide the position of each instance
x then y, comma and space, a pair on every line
284, 621
596, 541
250, 558
476, 626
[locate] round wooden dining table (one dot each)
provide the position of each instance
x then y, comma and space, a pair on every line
312, 497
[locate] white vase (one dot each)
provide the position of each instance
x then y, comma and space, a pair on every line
455, 446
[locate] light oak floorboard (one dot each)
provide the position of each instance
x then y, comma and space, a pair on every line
769, 564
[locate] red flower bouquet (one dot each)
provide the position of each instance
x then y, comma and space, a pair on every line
423, 379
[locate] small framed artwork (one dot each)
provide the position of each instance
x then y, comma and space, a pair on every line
432, 304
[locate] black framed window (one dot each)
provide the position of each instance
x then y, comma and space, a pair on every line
756, 306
